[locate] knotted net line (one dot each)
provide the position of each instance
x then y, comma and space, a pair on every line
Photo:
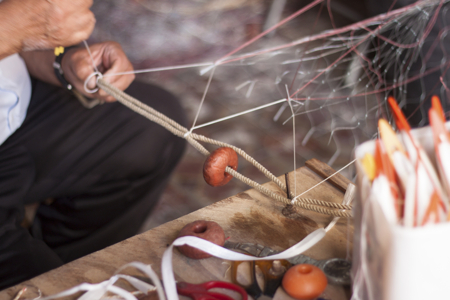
335, 83
180, 131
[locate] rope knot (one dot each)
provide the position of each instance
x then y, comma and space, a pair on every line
188, 133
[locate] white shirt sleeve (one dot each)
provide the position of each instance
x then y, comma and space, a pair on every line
15, 94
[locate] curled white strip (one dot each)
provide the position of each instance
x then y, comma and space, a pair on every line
84, 287
220, 252
98, 291
147, 270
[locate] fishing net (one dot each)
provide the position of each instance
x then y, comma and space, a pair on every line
339, 80
292, 96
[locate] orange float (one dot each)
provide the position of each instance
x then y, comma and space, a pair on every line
304, 282
214, 167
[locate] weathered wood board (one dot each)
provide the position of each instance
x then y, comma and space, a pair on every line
248, 217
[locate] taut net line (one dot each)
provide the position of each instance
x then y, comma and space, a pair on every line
323, 207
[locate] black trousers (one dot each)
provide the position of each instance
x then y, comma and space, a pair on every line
105, 168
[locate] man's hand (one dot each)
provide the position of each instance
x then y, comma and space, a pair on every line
43, 24
77, 65
59, 23
109, 59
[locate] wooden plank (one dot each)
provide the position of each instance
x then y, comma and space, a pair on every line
339, 181
248, 217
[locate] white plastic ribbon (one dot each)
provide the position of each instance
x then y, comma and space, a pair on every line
94, 290
223, 253
97, 291
147, 270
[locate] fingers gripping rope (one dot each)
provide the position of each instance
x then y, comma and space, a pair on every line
324, 207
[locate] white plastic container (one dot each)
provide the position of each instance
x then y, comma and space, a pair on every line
392, 262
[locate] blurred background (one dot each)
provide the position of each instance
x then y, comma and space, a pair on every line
159, 33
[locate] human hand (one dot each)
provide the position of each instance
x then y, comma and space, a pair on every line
44, 24
109, 59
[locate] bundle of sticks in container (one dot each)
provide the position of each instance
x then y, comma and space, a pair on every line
412, 188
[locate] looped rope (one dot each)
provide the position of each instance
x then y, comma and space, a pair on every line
323, 207
99, 76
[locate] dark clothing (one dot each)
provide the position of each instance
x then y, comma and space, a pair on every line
105, 168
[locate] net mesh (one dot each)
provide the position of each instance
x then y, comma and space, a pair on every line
336, 78
339, 80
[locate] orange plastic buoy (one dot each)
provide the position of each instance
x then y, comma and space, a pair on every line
214, 167
304, 282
